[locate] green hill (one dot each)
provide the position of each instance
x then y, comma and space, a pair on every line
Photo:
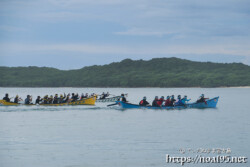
158, 72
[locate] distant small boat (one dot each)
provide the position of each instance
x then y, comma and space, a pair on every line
211, 103
111, 99
87, 101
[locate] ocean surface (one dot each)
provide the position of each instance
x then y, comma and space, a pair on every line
94, 136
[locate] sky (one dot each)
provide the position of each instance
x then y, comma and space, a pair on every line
71, 34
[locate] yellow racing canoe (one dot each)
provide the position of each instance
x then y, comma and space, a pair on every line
87, 101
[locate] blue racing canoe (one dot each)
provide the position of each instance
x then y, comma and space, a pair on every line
210, 103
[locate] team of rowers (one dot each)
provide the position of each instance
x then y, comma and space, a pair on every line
170, 101
157, 102
50, 99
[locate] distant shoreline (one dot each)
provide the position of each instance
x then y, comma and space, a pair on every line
138, 87
154, 73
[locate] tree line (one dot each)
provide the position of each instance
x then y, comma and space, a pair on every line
158, 72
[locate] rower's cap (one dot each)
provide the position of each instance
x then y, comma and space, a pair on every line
156, 97
145, 97
162, 97
167, 97
202, 95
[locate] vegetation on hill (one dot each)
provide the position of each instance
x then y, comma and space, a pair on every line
158, 72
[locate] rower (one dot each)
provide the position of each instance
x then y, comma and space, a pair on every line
17, 99
154, 103
107, 94
179, 102
6, 98
55, 100
123, 98
172, 101
38, 100
82, 96
143, 102
184, 100
168, 101
60, 100
160, 101
74, 97
202, 99
28, 100
102, 95
51, 99
45, 99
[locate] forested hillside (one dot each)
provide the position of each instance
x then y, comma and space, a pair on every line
158, 72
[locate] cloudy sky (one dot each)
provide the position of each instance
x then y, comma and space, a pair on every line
70, 34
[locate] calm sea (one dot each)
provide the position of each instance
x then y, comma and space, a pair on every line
94, 136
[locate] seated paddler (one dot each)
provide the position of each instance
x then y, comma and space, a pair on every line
123, 98
74, 97
168, 101
155, 102
160, 101
56, 99
6, 98
67, 99
61, 98
102, 95
46, 99
17, 99
202, 99
185, 100
179, 101
144, 102
38, 100
172, 101
51, 99
28, 100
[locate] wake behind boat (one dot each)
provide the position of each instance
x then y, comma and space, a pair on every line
210, 103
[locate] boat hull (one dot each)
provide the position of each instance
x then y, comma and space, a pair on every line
211, 103
88, 101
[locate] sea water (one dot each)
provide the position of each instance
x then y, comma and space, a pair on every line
80, 136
